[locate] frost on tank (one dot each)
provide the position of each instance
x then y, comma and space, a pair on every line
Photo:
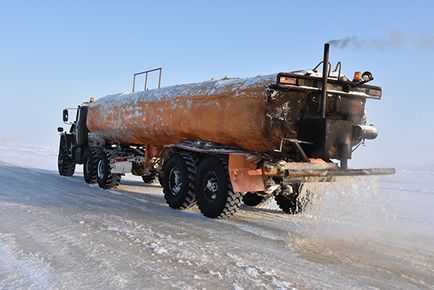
229, 111
213, 87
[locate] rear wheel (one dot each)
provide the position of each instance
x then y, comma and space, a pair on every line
90, 165
254, 199
65, 164
105, 178
214, 193
148, 179
178, 181
292, 203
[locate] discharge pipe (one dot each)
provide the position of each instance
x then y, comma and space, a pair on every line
365, 132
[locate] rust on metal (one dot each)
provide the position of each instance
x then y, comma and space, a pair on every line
231, 112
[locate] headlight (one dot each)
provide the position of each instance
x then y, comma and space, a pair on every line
374, 92
284, 80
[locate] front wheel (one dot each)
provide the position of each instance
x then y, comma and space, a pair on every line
65, 164
214, 193
104, 177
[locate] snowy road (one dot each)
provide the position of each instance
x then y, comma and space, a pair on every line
60, 233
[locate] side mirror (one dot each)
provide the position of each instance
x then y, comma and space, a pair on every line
367, 76
59, 129
65, 115
364, 78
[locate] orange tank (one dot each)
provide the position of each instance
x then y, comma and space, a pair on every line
231, 112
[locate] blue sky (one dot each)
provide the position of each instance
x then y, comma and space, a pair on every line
56, 54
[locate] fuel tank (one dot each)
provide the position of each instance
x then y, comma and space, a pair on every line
231, 112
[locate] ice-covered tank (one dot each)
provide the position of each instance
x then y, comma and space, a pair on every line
230, 112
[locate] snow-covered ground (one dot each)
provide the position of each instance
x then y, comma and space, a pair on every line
60, 233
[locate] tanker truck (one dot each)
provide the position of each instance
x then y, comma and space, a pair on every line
222, 142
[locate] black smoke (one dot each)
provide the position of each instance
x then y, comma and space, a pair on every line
391, 41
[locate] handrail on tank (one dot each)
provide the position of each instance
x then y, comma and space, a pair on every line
146, 77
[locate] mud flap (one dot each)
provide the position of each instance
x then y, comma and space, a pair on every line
244, 175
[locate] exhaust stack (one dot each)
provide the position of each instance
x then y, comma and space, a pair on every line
325, 70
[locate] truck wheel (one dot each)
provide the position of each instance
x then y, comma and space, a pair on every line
254, 199
65, 164
214, 193
178, 181
148, 179
90, 164
104, 177
291, 203
160, 177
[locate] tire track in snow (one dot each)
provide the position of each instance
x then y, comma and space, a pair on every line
29, 271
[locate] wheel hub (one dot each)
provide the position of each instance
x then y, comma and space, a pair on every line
211, 187
175, 181
100, 169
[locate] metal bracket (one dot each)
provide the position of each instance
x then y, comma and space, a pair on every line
296, 143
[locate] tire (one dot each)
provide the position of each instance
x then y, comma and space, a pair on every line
291, 203
106, 179
148, 179
65, 164
178, 181
160, 177
254, 199
214, 193
90, 164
